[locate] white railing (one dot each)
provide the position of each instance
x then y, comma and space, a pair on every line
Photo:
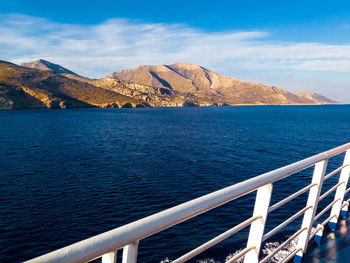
127, 237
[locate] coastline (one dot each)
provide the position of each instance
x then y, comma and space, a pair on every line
194, 106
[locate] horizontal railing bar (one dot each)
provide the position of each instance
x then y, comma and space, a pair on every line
347, 191
287, 259
273, 253
323, 224
314, 232
119, 237
334, 172
215, 240
329, 191
291, 197
325, 209
285, 223
240, 254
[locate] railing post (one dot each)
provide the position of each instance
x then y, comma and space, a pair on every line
344, 209
319, 234
312, 201
110, 257
339, 194
130, 253
256, 232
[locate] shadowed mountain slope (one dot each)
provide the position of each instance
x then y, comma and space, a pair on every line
22, 87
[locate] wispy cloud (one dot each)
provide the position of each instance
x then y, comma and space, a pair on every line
97, 50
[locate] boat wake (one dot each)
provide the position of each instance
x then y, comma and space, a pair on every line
268, 248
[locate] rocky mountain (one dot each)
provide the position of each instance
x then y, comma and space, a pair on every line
22, 87
317, 98
44, 84
46, 65
204, 87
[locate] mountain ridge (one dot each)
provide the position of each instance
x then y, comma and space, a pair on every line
22, 87
204, 83
47, 65
47, 85
314, 96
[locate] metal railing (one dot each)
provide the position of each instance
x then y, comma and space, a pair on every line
127, 237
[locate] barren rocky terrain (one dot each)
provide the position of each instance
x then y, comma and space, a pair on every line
42, 84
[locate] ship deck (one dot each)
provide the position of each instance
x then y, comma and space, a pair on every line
334, 248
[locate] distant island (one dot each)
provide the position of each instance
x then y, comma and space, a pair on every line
42, 84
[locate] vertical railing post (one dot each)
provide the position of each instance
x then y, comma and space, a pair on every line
312, 202
319, 234
339, 194
344, 209
256, 232
110, 257
130, 253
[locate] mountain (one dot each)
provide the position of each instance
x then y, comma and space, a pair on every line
22, 87
317, 98
46, 65
173, 85
205, 87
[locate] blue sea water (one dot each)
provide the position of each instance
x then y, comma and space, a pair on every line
66, 175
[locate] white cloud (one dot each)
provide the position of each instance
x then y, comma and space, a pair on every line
97, 50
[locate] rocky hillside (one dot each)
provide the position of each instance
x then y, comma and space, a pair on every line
206, 87
46, 65
317, 98
52, 85
22, 87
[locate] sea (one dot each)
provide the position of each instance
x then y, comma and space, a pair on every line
67, 175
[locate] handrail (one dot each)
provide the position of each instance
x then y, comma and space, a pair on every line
291, 255
334, 172
326, 209
291, 197
320, 227
330, 191
285, 223
240, 254
272, 254
347, 191
129, 235
215, 240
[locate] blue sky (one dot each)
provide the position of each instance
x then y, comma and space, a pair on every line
297, 45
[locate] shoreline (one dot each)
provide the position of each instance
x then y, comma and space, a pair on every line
196, 106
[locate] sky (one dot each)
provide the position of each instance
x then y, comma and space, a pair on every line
296, 45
